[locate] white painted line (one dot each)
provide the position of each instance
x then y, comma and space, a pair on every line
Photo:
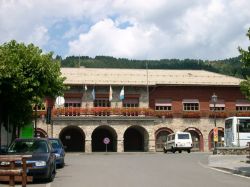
223, 171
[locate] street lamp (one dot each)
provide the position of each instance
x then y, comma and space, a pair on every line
214, 99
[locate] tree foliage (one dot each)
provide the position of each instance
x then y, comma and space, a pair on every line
231, 66
27, 76
245, 58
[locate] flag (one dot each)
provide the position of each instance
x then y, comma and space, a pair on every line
122, 93
85, 87
110, 93
93, 93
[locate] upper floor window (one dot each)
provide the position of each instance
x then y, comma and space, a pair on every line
163, 104
219, 105
72, 102
130, 102
101, 102
190, 104
242, 105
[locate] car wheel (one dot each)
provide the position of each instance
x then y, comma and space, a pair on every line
52, 173
188, 150
164, 150
180, 151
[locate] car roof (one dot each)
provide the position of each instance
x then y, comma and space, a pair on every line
45, 139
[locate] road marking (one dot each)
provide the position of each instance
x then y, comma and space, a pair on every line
223, 171
48, 184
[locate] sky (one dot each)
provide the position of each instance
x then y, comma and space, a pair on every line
133, 29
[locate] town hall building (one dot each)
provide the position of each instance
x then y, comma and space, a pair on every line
137, 108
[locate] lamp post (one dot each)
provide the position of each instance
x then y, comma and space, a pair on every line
214, 99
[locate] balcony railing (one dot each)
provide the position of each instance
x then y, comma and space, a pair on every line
109, 111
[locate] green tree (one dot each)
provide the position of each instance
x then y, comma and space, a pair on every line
27, 76
245, 58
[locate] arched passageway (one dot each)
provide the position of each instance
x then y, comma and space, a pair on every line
220, 142
197, 138
41, 133
161, 137
73, 138
135, 139
98, 136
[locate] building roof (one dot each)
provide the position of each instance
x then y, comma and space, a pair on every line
140, 77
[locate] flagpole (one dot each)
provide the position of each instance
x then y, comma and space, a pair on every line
147, 82
85, 93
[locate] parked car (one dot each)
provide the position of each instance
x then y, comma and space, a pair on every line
59, 149
43, 160
179, 141
3, 149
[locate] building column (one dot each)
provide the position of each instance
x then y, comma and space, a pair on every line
151, 145
88, 147
120, 145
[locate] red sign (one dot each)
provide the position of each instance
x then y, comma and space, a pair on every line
215, 134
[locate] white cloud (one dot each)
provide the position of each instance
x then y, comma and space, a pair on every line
207, 29
105, 38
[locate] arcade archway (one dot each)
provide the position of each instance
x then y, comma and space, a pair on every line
220, 142
161, 137
135, 139
73, 138
98, 136
197, 137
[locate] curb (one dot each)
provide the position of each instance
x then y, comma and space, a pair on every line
234, 171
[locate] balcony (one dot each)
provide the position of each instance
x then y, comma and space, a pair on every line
140, 112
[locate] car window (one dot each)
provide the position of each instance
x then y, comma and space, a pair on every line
55, 144
28, 146
40, 147
183, 136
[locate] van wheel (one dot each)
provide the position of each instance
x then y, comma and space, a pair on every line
180, 151
188, 150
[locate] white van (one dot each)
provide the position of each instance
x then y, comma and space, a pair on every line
179, 141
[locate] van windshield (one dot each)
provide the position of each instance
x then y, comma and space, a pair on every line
183, 136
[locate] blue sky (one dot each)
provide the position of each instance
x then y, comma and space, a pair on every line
134, 29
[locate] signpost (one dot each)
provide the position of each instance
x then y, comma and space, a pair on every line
106, 141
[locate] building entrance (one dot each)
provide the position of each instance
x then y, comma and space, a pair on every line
98, 136
134, 139
161, 138
220, 142
73, 138
197, 139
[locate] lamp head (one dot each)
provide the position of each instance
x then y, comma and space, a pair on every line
214, 98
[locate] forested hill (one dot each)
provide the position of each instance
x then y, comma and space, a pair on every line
231, 66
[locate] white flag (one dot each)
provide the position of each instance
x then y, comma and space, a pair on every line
85, 87
122, 94
110, 93
93, 93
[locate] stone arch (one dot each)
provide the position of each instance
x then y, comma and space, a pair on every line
220, 142
197, 137
41, 133
98, 136
161, 137
73, 138
135, 139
